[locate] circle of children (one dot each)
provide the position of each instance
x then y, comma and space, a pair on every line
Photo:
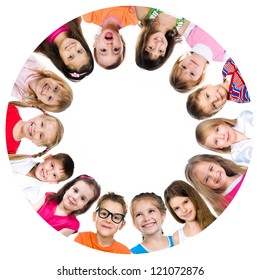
212, 180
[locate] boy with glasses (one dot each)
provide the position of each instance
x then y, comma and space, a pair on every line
109, 217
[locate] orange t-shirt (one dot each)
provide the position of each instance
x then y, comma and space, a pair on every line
89, 239
124, 14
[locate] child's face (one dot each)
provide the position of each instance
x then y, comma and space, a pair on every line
109, 47
156, 45
211, 175
191, 68
39, 130
146, 217
220, 137
51, 171
48, 91
105, 226
212, 98
183, 208
73, 54
77, 196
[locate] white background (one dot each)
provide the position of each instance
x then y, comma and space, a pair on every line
129, 130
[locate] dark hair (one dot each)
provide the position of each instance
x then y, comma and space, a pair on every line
85, 178
52, 52
67, 164
142, 57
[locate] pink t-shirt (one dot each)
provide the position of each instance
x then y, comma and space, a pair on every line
47, 212
64, 28
230, 195
202, 43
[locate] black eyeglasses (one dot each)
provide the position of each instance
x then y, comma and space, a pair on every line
103, 213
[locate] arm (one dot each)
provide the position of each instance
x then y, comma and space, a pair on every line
184, 27
175, 238
39, 204
67, 231
141, 12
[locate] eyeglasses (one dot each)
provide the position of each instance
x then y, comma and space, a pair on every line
103, 213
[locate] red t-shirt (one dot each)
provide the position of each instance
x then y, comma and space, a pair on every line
12, 118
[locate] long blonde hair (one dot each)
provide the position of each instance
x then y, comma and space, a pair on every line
214, 197
204, 129
31, 99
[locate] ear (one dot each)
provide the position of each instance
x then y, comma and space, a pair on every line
163, 216
95, 44
47, 157
94, 217
123, 41
122, 225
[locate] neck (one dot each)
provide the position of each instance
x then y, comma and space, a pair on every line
111, 23
105, 241
155, 242
191, 228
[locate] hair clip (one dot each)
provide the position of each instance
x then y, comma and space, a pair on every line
86, 176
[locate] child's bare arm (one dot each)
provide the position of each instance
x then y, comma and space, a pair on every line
141, 12
39, 204
66, 231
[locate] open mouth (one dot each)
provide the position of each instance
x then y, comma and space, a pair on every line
108, 36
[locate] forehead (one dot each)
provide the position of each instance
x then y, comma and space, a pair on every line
143, 204
112, 206
177, 200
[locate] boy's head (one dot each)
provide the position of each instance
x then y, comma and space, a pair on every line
109, 48
206, 101
109, 215
55, 168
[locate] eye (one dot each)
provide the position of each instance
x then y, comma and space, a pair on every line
52, 165
214, 106
41, 136
54, 176
151, 210
192, 74
80, 51
49, 98
137, 215
103, 50
176, 209
116, 49
83, 198
42, 124
70, 57
211, 168
207, 95
183, 67
117, 218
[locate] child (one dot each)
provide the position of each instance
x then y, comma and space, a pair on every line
189, 69
32, 175
148, 213
60, 210
42, 88
68, 50
159, 34
207, 100
232, 136
109, 46
187, 207
218, 179
42, 130
109, 218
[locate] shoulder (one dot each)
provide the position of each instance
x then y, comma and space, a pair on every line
175, 238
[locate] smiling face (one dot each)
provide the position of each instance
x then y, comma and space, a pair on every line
211, 175
73, 54
222, 136
146, 217
183, 208
105, 226
156, 45
51, 171
77, 196
109, 47
48, 91
212, 98
40, 130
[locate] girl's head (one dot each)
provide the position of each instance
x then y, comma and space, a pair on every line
187, 73
148, 212
216, 134
186, 205
209, 174
73, 56
49, 92
109, 48
110, 214
153, 48
78, 195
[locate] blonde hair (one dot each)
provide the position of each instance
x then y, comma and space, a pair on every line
31, 98
214, 197
204, 129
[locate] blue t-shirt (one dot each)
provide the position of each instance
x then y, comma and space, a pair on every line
140, 249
